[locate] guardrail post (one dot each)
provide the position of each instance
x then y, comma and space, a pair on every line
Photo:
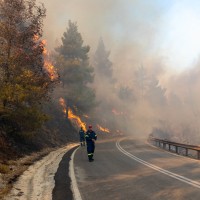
164, 145
186, 151
176, 149
198, 155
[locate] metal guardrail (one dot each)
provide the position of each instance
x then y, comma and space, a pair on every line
182, 149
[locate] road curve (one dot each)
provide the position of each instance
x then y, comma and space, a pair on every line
126, 169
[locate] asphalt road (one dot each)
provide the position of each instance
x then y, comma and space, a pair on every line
133, 170
62, 190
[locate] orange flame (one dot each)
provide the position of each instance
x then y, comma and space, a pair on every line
36, 38
77, 119
103, 129
51, 70
116, 112
119, 132
71, 115
47, 63
63, 104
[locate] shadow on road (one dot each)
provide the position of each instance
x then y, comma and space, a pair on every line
62, 180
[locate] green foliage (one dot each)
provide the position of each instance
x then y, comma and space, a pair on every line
4, 169
28, 118
75, 71
25, 83
72, 46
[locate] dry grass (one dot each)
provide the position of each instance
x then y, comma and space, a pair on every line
5, 190
12, 169
4, 169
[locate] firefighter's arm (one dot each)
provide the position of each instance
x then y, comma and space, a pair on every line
95, 137
86, 137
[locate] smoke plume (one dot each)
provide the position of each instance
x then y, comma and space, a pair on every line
162, 100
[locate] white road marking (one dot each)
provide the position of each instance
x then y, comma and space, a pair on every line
154, 167
74, 186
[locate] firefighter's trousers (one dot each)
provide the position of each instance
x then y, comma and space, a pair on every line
90, 150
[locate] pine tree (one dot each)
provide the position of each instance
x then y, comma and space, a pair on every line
75, 72
155, 94
141, 81
102, 62
148, 86
126, 93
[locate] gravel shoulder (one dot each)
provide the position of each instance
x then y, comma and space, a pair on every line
37, 182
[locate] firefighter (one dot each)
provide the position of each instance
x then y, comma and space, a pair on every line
82, 136
90, 137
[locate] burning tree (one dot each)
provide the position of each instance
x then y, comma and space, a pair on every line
25, 83
75, 71
78, 122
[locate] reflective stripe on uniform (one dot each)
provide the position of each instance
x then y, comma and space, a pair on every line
89, 154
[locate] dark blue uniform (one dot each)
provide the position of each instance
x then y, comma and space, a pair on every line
89, 136
82, 137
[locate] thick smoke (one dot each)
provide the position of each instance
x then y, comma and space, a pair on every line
162, 101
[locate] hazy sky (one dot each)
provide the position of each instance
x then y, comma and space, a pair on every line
134, 29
